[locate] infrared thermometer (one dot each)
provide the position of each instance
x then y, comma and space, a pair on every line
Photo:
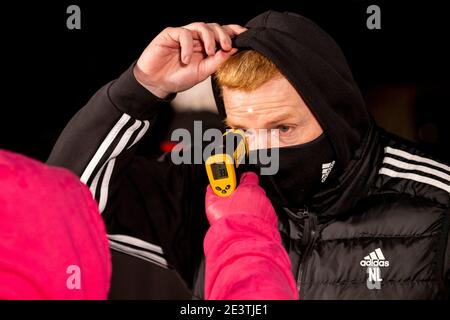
221, 167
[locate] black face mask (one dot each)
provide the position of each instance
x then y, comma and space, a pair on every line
303, 169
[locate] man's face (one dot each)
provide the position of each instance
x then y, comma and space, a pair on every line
274, 105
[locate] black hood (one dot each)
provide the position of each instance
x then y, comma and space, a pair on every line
315, 65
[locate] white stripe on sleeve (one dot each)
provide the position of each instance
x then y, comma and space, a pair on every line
103, 147
416, 167
415, 177
410, 156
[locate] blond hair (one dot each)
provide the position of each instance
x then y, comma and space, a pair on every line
246, 70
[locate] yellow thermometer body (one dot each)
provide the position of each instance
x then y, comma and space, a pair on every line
221, 174
221, 167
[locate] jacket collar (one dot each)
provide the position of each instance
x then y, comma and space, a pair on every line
353, 184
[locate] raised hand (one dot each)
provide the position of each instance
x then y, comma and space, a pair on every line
179, 58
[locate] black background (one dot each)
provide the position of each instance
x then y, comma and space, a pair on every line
49, 72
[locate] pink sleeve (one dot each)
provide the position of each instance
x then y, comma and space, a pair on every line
245, 260
54, 242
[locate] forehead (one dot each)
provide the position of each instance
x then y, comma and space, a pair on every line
274, 100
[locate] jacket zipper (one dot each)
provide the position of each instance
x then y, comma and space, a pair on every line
310, 233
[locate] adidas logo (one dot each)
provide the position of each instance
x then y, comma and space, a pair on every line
373, 262
326, 169
375, 259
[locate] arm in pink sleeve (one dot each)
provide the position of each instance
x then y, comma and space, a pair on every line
245, 259
54, 242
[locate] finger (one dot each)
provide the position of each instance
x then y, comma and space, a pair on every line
206, 35
209, 191
249, 178
221, 36
234, 29
210, 196
209, 65
183, 38
198, 46
186, 44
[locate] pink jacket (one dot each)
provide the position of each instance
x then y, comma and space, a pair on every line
245, 259
53, 240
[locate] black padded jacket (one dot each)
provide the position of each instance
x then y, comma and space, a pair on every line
380, 231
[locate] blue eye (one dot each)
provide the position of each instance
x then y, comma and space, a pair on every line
284, 129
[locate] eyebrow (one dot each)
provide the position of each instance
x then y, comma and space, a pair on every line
275, 120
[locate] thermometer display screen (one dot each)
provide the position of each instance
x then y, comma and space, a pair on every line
219, 171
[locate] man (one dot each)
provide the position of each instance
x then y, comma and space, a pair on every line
363, 214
